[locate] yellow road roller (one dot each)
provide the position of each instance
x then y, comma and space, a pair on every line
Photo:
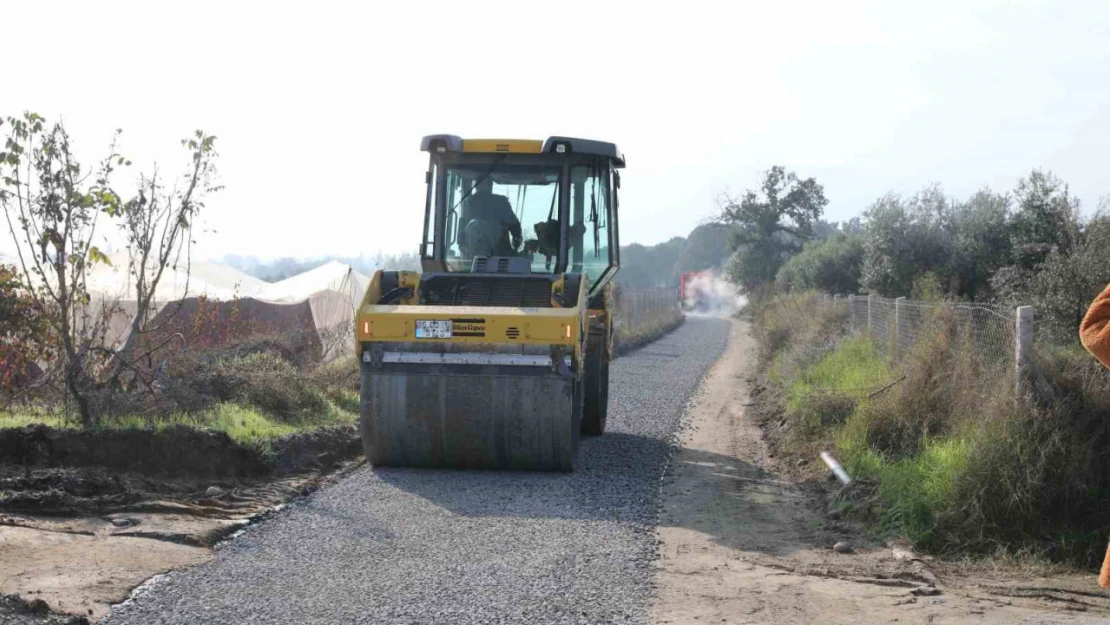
496, 354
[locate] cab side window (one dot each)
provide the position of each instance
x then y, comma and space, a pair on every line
589, 220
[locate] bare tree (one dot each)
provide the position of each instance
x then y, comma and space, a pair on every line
157, 226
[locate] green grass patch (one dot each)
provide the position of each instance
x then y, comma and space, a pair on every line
910, 491
852, 368
30, 415
348, 401
828, 403
245, 424
776, 371
822, 395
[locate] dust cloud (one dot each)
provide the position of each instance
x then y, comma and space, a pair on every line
708, 294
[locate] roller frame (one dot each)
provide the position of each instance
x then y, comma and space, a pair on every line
479, 402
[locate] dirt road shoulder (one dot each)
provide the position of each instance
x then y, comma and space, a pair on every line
76, 537
740, 544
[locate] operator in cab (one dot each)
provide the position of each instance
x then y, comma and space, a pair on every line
490, 227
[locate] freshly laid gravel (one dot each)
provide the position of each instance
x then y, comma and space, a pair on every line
419, 546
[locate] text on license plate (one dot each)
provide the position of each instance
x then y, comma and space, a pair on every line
434, 329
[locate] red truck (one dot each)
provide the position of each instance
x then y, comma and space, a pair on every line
696, 291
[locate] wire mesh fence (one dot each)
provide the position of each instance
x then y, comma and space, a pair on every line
879, 323
643, 311
987, 332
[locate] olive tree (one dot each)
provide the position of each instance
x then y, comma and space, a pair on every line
981, 242
904, 238
1046, 219
832, 266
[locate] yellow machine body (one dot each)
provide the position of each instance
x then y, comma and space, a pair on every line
502, 363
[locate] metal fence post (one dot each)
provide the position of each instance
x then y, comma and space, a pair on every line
897, 325
1023, 346
851, 313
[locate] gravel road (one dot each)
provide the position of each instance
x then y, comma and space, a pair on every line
427, 546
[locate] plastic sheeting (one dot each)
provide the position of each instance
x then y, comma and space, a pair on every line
333, 291
325, 296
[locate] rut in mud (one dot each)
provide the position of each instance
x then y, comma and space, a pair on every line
85, 516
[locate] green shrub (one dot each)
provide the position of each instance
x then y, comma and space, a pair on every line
340, 381
832, 266
269, 382
265, 380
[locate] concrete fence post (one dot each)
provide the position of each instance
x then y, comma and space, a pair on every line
851, 313
898, 324
1023, 347
870, 317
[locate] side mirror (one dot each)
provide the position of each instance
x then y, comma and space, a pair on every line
617, 179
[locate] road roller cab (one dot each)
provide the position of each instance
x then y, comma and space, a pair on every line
497, 354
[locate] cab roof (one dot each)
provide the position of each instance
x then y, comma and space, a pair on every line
559, 145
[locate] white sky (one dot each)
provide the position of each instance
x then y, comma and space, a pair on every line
319, 106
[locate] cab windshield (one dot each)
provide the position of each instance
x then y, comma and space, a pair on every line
501, 209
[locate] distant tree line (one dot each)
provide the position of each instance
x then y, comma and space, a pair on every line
1027, 246
706, 247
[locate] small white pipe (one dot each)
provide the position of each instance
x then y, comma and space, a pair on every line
836, 468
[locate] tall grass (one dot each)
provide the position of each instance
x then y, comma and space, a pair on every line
948, 456
821, 396
910, 491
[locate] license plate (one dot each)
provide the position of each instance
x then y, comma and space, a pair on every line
436, 329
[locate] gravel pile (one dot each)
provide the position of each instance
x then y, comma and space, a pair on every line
427, 546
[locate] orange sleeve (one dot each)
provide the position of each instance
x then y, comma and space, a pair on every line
1094, 332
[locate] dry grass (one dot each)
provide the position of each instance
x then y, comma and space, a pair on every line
949, 456
253, 392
